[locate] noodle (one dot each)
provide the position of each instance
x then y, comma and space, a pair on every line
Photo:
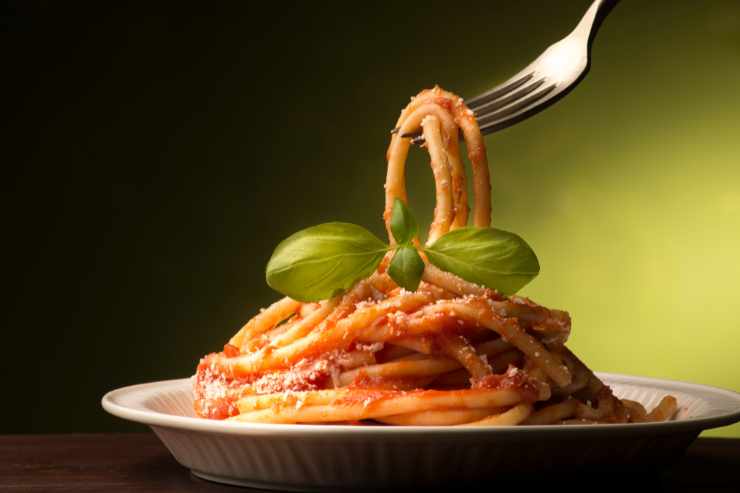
450, 353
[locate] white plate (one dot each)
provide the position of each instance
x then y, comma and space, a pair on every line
302, 457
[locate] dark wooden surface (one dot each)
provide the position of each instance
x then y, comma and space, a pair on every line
140, 463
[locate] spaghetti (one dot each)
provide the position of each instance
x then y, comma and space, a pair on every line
449, 353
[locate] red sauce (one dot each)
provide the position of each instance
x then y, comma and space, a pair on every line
444, 102
513, 379
216, 408
217, 391
231, 351
365, 398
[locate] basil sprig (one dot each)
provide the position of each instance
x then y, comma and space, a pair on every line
325, 260
491, 257
322, 261
407, 266
403, 224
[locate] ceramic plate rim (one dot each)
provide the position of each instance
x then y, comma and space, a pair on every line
730, 414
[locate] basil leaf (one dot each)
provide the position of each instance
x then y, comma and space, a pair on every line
322, 261
403, 225
406, 267
491, 257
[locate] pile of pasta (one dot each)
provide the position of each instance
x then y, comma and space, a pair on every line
449, 353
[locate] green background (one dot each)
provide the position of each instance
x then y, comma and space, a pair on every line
155, 158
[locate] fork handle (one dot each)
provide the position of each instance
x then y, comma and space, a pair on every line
594, 16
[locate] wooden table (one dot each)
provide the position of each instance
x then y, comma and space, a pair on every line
140, 463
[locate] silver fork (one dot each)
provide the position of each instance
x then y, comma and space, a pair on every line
548, 78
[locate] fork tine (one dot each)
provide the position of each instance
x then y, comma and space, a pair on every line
488, 101
494, 120
497, 92
488, 108
496, 112
491, 121
485, 98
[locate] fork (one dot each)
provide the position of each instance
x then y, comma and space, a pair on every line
548, 78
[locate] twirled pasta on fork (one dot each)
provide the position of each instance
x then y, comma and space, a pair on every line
449, 353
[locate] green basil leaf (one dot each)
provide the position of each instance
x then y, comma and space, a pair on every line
403, 224
322, 261
491, 257
406, 267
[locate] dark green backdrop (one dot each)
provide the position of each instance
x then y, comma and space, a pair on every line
154, 157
